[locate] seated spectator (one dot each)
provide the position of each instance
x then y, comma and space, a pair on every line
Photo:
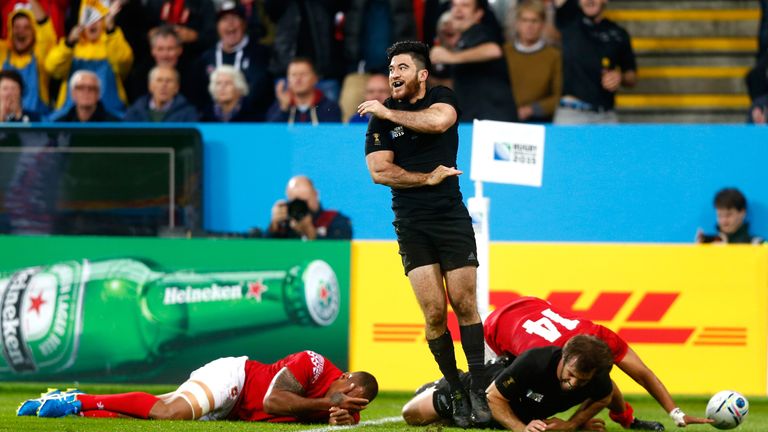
731, 209
758, 112
85, 90
98, 45
535, 68
480, 76
228, 90
30, 38
299, 101
377, 87
597, 61
163, 103
11, 89
236, 48
302, 216
165, 50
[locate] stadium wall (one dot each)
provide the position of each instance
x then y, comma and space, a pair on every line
629, 183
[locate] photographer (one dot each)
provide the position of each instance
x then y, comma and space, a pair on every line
302, 216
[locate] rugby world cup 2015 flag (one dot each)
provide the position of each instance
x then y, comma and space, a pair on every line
507, 153
93, 10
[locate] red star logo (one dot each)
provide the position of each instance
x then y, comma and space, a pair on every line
255, 290
36, 303
324, 292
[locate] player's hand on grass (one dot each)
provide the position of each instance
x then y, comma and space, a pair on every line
343, 400
373, 107
340, 416
441, 173
535, 426
694, 420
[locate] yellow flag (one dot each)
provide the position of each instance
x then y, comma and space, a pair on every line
93, 10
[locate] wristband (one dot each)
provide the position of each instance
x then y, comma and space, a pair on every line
678, 416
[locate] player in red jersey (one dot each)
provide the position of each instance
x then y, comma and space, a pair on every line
303, 387
530, 322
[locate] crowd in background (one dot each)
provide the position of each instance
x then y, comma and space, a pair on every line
306, 61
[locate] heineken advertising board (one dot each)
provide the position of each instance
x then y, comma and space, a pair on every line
153, 310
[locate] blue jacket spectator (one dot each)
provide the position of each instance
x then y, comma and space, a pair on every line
85, 90
299, 101
163, 103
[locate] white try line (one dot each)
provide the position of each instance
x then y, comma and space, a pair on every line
364, 423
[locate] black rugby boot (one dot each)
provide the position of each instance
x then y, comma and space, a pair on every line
461, 408
481, 413
638, 424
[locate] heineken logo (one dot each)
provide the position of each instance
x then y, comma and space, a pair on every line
214, 293
15, 349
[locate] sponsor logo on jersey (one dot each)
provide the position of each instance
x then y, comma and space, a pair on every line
532, 395
318, 363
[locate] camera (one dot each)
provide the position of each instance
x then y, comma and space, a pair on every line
297, 209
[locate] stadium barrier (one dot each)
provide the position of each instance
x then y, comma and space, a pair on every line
696, 315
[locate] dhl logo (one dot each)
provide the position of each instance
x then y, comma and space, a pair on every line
651, 309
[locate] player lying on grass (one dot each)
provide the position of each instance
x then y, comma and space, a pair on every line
302, 387
530, 322
538, 384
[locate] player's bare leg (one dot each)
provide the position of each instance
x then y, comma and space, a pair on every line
427, 284
461, 284
420, 411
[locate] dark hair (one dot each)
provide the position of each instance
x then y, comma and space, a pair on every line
165, 30
590, 353
306, 60
367, 382
730, 198
12, 75
419, 52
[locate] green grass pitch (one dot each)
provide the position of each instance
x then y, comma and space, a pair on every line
386, 406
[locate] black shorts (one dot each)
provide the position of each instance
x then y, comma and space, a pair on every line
448, 241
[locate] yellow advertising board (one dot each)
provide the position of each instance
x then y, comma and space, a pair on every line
696, 315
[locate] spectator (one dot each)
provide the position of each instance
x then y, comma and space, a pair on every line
308, 29
85, 90
30, 37
228, 90
299, 101
163, 103
597, 60
166, 49
192, 20
235, 47
98, 45
757, 78
376, 88
480, 76
370, 27
55, 9
758, 112
731, 209
302, 216
448, 37
11, 89
535, 68
762, 34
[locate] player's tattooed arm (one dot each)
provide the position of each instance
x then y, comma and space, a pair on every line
384, 171
285, 396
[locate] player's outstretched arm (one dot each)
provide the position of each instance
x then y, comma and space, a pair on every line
384, 171
633, 366
504, 415
438, 118
285, 397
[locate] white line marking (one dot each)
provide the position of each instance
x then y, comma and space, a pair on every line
364, 423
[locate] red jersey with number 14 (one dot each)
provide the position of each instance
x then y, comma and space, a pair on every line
313, 371
530, 322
